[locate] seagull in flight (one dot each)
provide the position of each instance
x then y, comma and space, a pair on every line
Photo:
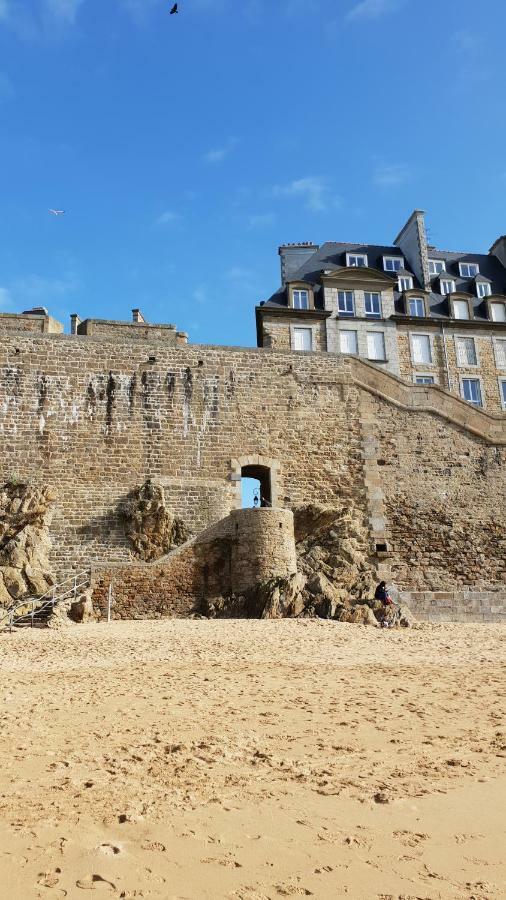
57, 212
174, 10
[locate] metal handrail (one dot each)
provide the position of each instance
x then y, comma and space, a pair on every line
50, 599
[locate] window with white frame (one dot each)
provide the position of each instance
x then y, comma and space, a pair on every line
502, 388
356, 260
483, 289
460, 309
498, 312
376, 345
405, 283
372, 305
345, 303
348, 342
466, 351
393, 263
471, 391
424, 379
416, 306
447, 286
469, 270
500, 353
436, 266
421, 349
302, 339
300, 299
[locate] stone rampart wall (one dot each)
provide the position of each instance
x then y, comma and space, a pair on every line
457, 606
444, 500
243, 549
94, 418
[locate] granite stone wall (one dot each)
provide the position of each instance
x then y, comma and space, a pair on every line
245, 548
93, 418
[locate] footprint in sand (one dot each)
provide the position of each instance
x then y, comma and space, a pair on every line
154, 845
49, 879
95, 883
109, 849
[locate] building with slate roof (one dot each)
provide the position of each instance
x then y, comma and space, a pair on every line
426, 315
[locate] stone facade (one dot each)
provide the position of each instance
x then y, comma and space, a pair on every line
419, 312
35, 323
457, 606
245, 548
445, 366
94, 417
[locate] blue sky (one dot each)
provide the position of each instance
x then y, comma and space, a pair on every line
185, 149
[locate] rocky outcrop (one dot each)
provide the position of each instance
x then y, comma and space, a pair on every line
333, 551
25, 543
150, 526
335, 579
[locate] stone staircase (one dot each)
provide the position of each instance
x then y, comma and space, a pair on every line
428, 398
35, 612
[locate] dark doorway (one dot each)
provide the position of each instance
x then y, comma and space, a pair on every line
258, 477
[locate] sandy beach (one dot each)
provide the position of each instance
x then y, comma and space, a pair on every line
253, 760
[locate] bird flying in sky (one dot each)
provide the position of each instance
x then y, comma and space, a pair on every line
57, 212
174, 9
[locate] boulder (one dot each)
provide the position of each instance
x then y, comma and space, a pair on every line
151, 527
37, 582
14, 582
81, 610
25, 544
405, 617
5, 597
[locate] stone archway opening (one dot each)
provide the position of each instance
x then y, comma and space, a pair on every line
255, 472
256, 481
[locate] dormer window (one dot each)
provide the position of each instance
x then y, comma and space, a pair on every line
300, 299
393, 263
483, 289
447, 286
356, 260
405, 283
460, 309
416, 306
436, 266
469, 270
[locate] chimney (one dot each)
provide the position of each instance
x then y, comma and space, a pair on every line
75, 321
138, 318
293, 256
412, 240
498, 249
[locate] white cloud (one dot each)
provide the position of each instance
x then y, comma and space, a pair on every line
387, 175
168, 217
469, 49
5, 298
37, 289
200, 295
313, 190
218, 154
63, 12
237, 273
261, 220
6, 88
373, 9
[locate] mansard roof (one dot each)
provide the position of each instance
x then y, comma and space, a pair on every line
332, 257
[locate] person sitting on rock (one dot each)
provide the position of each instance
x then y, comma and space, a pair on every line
381, 594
